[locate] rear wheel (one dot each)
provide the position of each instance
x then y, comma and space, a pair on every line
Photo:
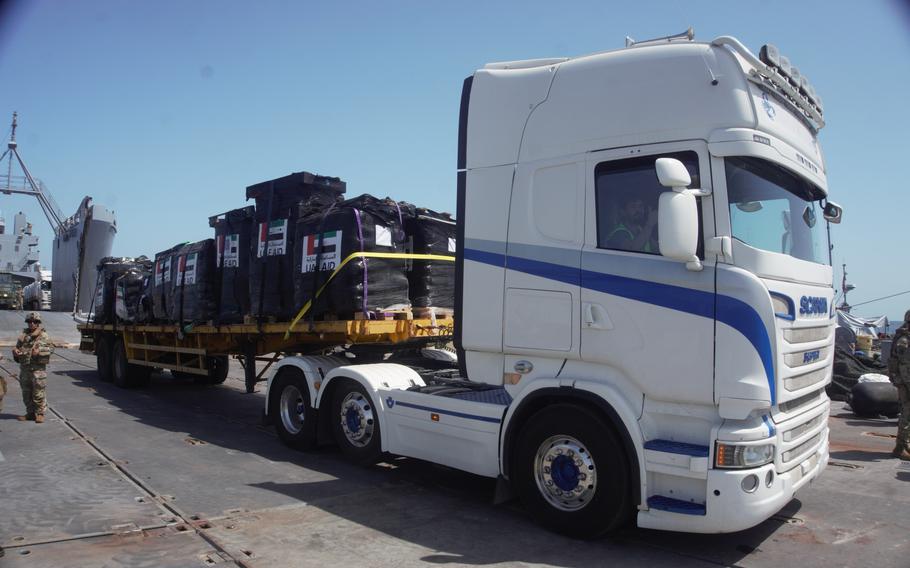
125, 374
571, 472
355, 423
103, 359
218, 371
291, 410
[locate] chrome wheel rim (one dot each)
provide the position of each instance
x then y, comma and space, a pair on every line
293, 409
357, 420
565, 473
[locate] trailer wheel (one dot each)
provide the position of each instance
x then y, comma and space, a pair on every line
355, 424
291, 410
218, 371
571, 473
103, 359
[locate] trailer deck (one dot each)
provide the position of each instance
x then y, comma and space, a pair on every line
189, 349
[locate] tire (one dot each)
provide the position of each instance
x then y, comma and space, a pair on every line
218, 371
120, 368
103, 359
292, 411
355, 423
590, 492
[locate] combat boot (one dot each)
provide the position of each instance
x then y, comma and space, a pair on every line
25, 417
903, 455
39, 418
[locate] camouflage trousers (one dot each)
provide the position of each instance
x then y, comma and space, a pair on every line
2, 390
903, 423
33, 381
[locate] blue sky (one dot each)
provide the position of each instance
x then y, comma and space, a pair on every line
165, 111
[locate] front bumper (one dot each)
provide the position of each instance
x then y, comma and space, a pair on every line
729, 508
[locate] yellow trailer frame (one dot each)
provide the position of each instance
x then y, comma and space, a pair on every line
194, 349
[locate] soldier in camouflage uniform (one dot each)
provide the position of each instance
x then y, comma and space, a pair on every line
32, 352
899, 371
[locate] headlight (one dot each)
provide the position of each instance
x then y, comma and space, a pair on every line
733, 456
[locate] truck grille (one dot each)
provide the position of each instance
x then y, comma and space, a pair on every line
801, 358
799, 402
806, 379
801, 449
807, 335
798, 431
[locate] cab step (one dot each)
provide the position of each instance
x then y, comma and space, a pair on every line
677, 458
671, 505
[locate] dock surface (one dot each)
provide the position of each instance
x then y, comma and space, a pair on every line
181, 475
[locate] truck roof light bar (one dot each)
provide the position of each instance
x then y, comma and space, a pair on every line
774, 70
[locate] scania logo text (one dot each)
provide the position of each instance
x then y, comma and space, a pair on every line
812, 306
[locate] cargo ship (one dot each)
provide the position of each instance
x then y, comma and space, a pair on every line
80, 240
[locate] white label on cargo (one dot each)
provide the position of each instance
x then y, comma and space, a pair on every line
166, 268
383, 236
189, 268
273, 238
159, 272
329, 255
231, 253
451, 244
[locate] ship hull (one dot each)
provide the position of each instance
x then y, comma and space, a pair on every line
91, 230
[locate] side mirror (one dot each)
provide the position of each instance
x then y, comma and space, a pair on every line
677, 214
672, 173
833, 212
677, 228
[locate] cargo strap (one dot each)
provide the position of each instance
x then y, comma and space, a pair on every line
393, 255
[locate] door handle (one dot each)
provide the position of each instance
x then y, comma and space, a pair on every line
595, 317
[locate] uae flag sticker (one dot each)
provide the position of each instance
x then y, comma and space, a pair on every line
328, 255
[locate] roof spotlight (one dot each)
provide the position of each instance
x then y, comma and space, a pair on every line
770, 55
784, 66
795, 76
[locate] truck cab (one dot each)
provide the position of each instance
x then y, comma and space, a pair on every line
644, 309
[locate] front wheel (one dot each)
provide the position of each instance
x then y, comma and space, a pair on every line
355, 423
571, 472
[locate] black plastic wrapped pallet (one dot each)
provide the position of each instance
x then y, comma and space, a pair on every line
110, 269
130, 293
162, 284
195, 283
431, 282
362, 224
233, 237
279, 204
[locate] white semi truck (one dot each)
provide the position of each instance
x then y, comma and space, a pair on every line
643, 318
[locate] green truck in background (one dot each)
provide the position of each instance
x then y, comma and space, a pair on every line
10, 292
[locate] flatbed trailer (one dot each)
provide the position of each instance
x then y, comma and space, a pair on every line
127, 353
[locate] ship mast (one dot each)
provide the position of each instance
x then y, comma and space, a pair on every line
26, 184
844, 306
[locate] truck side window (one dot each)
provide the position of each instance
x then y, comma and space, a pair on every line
626, 199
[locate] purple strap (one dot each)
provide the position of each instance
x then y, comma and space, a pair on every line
360, 238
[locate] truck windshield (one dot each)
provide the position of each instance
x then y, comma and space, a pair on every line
775, 210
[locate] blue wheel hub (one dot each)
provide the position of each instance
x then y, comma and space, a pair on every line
352, 418
564, 473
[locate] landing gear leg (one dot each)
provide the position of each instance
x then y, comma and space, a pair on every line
249, 368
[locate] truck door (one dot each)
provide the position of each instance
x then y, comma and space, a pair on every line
647, 318
546, 233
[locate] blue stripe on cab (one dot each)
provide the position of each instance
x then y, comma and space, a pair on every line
490, 258
735, 313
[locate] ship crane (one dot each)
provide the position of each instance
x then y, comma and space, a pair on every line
26, 184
